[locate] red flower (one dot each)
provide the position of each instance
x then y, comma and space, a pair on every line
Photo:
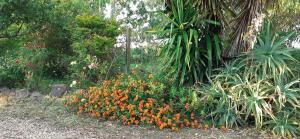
36, 46
18, 60
187, 106
29, 64
43, 46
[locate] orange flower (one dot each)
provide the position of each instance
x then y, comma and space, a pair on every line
147, 105
167, 107
136, 98
177, 117
206, 127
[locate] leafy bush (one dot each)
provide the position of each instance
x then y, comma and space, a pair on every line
11, 75
94, 35
135, 100
191, 50
32, 61
88, 72
93, 41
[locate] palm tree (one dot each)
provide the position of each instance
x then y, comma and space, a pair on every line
238, 17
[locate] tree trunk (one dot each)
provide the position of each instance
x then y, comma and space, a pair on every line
244, 28
128, 43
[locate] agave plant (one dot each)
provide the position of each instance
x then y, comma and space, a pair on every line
286, 124
223, 105
254, 101
190, 52
287, 95
269, 57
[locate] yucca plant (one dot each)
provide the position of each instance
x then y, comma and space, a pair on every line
190, 51
269, 56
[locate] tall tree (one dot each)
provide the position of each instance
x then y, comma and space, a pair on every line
241, 18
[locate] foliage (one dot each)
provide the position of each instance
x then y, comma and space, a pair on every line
256, 89
94, 35
136, 100
269, 56
145, 59
11, 75
87, 72
286, 125
32, 61
234, 100
285, 15
93, 42
190, 51
58, 37
20, 12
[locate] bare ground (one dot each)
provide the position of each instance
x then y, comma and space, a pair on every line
42, 117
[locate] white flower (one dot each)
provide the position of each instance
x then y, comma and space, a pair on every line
73, 63
92, 66
73, 84
82, 100
84, 68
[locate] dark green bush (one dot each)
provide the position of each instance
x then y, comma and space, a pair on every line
11, 75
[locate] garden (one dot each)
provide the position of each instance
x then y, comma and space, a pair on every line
176, 65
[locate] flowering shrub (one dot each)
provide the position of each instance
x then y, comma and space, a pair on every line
32, 61
87, 72
133, 101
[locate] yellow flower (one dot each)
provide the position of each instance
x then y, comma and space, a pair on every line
150, 76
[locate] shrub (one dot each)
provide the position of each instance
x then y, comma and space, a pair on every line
94, 35
134, 101
87, 72
93, 40
32, 61
11, 75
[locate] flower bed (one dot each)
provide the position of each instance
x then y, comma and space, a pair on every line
136, 102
